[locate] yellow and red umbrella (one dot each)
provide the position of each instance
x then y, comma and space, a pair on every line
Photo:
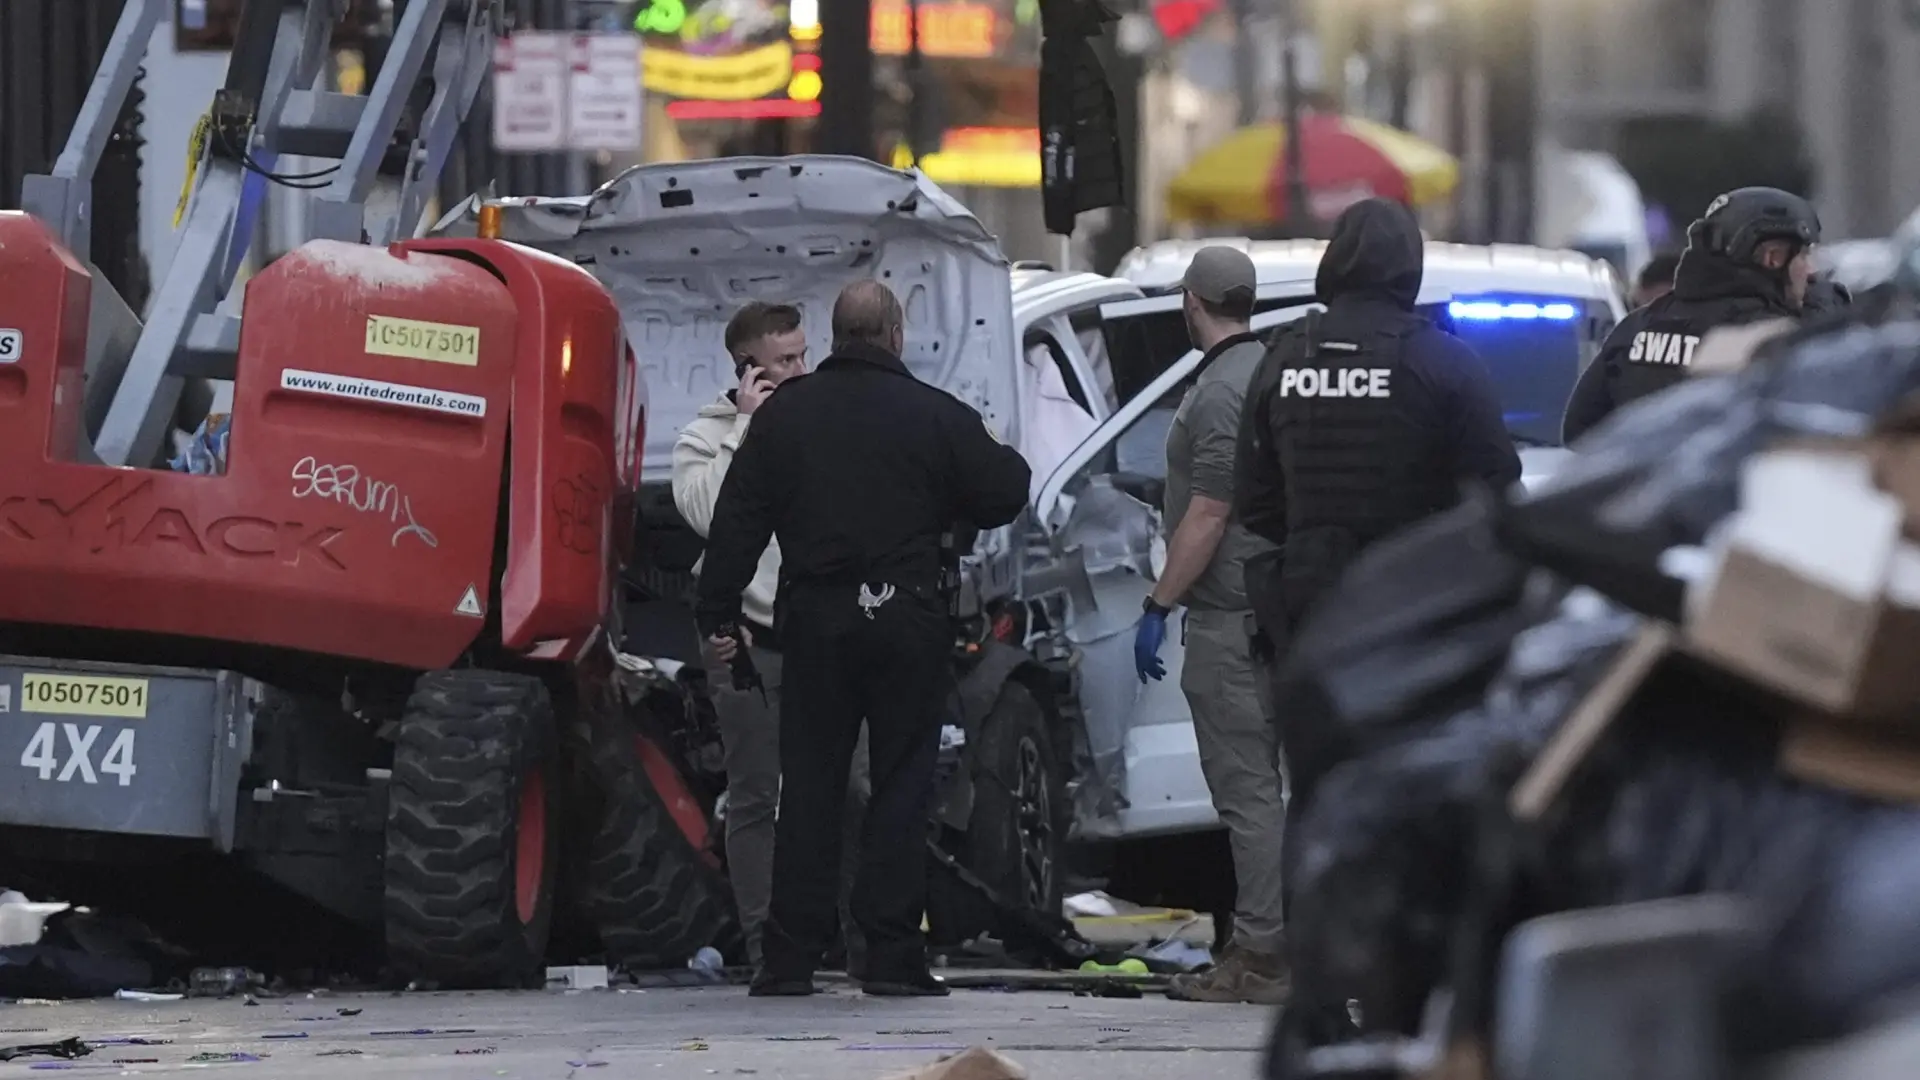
1242, 179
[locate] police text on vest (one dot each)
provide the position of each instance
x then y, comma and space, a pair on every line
1653, 347
1335, 382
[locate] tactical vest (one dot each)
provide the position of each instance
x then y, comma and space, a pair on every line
1660, 353
1356, 466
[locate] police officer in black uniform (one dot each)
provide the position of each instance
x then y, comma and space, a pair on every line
1360, 421
1748, 258
859, 469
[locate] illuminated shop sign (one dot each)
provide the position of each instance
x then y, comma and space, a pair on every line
980, 157
948, 28
742, 76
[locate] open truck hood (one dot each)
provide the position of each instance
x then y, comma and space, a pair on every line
682, 246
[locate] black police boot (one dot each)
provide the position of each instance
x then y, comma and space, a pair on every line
922, 984
769, 984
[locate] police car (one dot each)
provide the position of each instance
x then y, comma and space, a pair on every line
1537, 317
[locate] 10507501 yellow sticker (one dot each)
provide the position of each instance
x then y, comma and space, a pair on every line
412, 339
84, 695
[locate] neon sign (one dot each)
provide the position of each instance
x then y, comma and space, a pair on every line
661, 17
948, 28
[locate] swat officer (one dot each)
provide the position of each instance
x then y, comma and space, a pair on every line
858, 469
1359, 421
1748, 258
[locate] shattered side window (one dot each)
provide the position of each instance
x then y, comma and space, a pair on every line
1112, 505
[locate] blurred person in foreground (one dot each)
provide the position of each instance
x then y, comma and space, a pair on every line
768, 346
1656, 278
859, 470
1360, 421
1207, 551
1748, 258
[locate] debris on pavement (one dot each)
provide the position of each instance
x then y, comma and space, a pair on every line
974, 1063
212, 982
146, 995
22, 921
577, 977
212, 1056
65, 1048
1172, 956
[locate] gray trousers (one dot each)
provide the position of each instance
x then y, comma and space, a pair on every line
1227, 691
750, 735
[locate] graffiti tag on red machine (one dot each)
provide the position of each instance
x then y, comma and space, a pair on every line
577, 513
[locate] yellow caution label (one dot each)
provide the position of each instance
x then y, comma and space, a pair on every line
196, 150
442, 343
84, 695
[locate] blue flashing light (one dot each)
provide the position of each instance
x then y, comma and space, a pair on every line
1498, 310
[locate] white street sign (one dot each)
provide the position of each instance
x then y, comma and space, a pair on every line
530, 71
605, 98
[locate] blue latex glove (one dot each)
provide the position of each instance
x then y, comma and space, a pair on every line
1146, 646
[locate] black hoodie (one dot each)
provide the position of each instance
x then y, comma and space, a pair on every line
1369, 278
1652, 347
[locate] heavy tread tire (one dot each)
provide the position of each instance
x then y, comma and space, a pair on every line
464, 747
655, 901
990, 847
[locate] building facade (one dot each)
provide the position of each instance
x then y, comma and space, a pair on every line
1841, 68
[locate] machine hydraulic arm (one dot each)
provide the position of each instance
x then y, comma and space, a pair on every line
273, 103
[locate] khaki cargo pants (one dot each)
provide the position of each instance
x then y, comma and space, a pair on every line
1240, 756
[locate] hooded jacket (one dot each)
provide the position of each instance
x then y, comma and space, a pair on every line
701, 458
1369, 280
1653, 347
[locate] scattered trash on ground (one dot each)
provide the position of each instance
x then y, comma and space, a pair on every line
22, 921
577, 977
212, 1056
65, 1048
146, 995
708, 964
692, 1044
427, 1031
219, 982
973, 1063
1172, 956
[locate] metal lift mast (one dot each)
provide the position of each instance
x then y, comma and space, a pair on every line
270, 106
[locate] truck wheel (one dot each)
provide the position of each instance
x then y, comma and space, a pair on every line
655, 900
1015, 836
471, 831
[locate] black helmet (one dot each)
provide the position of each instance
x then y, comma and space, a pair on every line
1737, 223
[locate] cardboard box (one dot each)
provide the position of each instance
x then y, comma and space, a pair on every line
1731, 348
1817, 590
1876, 763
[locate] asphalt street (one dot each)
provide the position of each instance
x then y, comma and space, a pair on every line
668, 1033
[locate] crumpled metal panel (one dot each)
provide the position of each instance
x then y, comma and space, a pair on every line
684, 245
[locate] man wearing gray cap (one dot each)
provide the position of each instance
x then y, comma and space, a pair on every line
1205, 572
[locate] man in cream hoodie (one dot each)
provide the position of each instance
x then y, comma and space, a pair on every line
768, 347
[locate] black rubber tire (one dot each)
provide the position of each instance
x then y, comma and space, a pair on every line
465, 746
991, 848
653, 898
